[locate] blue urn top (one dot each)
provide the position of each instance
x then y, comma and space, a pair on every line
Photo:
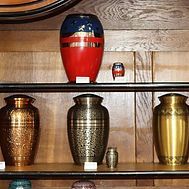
81, 23
20, 183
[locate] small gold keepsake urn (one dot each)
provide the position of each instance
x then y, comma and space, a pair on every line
112, 157
171, 129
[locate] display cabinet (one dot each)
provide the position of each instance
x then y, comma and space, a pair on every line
151, 39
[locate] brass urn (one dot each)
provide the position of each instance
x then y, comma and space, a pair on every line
171, 129
88, 129
19, 130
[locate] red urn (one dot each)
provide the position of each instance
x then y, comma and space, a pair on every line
81, 46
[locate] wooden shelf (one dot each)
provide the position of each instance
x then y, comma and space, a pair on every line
71, 171
95, 87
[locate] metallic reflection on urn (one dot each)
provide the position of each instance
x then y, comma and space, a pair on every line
19, 130
88, 129
171, 129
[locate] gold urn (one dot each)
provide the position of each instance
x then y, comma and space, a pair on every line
171, 129
19, 130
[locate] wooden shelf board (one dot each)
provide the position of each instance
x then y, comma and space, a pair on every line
72, 171
94, 87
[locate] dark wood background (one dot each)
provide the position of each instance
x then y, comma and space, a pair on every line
150, 37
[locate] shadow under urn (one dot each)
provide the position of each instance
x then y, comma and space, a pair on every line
19, 130
81, 46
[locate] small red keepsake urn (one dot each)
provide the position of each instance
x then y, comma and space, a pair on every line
81, 46
118, 70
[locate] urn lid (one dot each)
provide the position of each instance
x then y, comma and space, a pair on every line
88, 99
19, 97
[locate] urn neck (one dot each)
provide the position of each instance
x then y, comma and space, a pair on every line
173, 98
19, 101
88, 99
81, 15
112, 149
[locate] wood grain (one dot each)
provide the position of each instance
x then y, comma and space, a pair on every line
115, 40
143, 103
144, 142
135, 14
147, 40
31, 67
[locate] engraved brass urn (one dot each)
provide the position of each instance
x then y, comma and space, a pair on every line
171, 129
19, 130
88, 129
